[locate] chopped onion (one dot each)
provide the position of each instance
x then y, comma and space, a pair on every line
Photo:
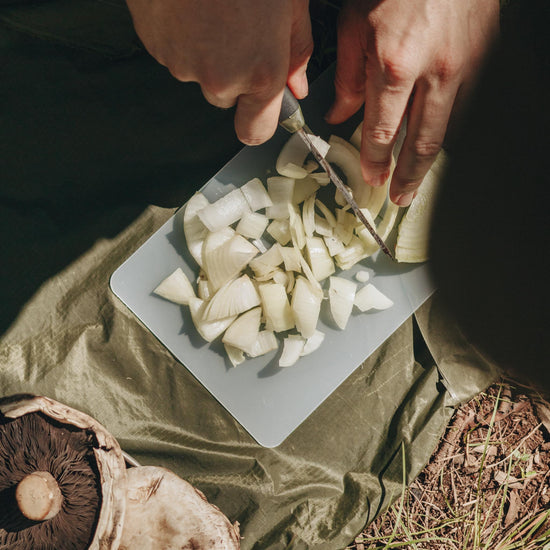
291, 258
341, 295
313, 343
303, 189
252, 225
244, 330
266, 342
320, 144
322, 227
322, 178
268, 261
204, 292
334, 245
225, 211
232, 298
281, 191
308, 216
176, 287
353, 253
292, 350
278, 315
362, 276
235, 355
345, 223
280, 231
297, 232
310, 166
256, 195
329, 216
292, 155
320, 260
413, 231
209, 330
306, 305
369, 297
194, 230
224, 262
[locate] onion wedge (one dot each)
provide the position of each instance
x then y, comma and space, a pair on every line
243, 332
292, 350
194, 230
278, 315
209, 330
369, 297
306, 305
225, 211
231, 299
176, 287
256, 195
341, 294
281, 191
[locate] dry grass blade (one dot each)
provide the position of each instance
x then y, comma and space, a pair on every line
487, 486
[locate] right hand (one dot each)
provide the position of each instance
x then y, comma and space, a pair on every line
241, 52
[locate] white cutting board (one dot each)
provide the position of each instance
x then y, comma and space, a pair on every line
268, 401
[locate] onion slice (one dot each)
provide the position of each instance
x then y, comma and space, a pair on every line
306, 306
278, 315
292, 350
225, 211
341, 294
209, 330
231, 299
176, 287
369, 297
243, 332
194, 230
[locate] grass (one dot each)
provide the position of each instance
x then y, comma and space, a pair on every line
486, 488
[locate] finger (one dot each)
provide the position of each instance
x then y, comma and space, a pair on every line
256, 119
427, 124
301, 48
223, 101
349, 80
387, 94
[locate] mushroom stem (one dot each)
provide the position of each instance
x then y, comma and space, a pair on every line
38, 496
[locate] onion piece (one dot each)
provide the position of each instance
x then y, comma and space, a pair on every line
292, 155
413, 231
310, 165
322, 227
265, 343
235, 355
320, 261
329, 216
225, 211
345, 224
362, 276
176, 287
225, 261
267, 262
291, 258
345, 156
281, 191
303, 189
280, 231
278, 315
369, 297
334, 245
322, 178
194, 230
208, 330
252, 225
306, 306
292, 350
231, 299
353, 253
308, 215
256, 195
204, 292
341, 294
320, 144
297, 231
244, 330
313, 343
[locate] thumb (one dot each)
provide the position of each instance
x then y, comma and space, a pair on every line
349, 81
301, 48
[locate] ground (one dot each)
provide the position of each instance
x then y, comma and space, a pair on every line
487, 485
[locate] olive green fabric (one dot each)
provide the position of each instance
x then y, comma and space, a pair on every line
92, 150
74, 341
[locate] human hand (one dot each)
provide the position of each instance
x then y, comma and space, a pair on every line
241, 52
401, 57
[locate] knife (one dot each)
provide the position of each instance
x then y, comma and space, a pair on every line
292, 119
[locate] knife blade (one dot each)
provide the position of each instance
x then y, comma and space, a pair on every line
292, 119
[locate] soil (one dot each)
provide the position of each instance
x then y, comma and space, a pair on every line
486, 486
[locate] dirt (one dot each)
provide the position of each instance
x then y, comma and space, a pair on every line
487, 485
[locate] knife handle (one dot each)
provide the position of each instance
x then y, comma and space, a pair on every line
291, 117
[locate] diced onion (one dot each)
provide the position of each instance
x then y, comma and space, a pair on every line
266, 342
194, 230
235, 355
276, 307
244, 330
306, 305
292, 155
303, 189
232, 298
280, 231
256, 195
281, 191
313, 343
362, 276
369, 297
320, 261
176, 287
252, 225
341, 295
209, 330
292, 350
225, 211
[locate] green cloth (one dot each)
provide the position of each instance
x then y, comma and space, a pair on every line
87, 144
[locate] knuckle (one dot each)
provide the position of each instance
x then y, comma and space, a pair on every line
447, 68
379, 135
425, 149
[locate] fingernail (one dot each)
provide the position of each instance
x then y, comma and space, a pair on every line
404, 199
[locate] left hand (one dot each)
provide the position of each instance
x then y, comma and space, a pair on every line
401, 57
